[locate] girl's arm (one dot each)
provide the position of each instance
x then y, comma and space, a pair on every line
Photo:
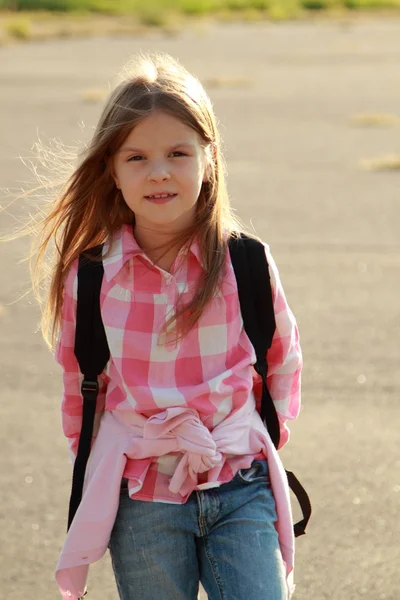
71, 406
284, 356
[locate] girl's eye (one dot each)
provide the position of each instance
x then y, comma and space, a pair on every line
139, 157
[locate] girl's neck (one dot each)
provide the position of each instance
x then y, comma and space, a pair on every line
161, 248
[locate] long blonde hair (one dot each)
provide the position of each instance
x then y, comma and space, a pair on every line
89, 208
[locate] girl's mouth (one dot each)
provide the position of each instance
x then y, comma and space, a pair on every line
160, 198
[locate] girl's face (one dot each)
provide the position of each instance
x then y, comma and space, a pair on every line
160, 169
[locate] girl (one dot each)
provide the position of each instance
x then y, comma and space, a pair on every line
172, 489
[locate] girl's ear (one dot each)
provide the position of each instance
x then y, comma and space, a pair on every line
115, 180
211, 156
214, 151
110, 164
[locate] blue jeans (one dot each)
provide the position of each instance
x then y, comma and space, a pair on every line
224, 537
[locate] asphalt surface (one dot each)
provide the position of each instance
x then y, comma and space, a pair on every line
285, 96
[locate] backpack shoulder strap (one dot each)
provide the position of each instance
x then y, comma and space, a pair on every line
91, 347
92, 353
256, 305
250, 263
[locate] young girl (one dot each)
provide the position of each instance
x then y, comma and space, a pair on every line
183, 483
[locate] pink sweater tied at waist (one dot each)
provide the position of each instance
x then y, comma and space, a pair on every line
124, 435
181, 430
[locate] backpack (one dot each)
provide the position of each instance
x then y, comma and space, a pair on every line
92, 352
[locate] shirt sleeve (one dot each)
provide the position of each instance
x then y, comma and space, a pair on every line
71, 405
284, 357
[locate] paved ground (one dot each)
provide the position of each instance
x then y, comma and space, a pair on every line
285, 97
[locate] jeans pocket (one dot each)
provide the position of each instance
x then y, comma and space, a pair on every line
257, 472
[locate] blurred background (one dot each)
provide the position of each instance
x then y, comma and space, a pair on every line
307, 93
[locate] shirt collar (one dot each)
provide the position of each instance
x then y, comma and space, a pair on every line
196, 251
124, 246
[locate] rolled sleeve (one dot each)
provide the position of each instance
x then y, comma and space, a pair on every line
284, 356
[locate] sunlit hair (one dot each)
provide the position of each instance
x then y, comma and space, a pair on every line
89, 209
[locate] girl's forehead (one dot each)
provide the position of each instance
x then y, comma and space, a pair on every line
160, 127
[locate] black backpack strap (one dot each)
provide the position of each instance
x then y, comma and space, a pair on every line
256, 305
303, 500
92, 353
257, 308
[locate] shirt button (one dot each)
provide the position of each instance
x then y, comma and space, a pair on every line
69, 593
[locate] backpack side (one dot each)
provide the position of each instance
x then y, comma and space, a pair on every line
256, 304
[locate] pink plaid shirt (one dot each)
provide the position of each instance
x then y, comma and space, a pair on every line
209, 370
177, 418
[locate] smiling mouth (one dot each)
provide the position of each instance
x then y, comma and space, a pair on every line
162, 195
160, 198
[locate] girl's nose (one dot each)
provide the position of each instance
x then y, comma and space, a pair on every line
159, 173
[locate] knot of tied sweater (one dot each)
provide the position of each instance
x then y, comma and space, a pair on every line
184, 427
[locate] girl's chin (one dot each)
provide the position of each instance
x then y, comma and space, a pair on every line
169, 224
160, 201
